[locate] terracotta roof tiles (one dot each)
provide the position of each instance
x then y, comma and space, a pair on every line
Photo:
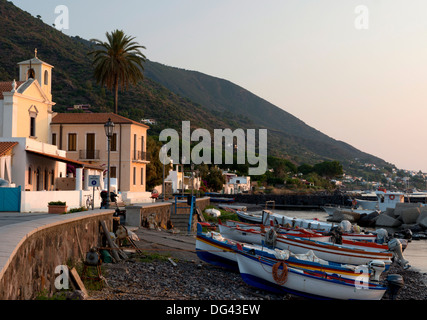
92, 118
6, 146
6, 86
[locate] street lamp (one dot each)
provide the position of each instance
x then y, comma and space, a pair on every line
182, 175
109, 127
163, 154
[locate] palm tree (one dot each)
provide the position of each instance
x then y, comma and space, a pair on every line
118, 61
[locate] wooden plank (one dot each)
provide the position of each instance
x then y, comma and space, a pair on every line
78, 281
200, 214
110, 242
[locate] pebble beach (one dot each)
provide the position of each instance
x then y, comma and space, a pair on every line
188, 278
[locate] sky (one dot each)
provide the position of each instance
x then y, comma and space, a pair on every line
355, 70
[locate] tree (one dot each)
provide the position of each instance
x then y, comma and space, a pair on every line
119, 61
213, 177
329, 169
305, 169
155, 167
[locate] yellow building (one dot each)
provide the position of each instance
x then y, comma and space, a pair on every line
27, 159
82, 136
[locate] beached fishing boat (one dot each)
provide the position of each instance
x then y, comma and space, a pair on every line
346, 254
213, 248
350, 236
254, 235
355, 253
272, 275
251, 217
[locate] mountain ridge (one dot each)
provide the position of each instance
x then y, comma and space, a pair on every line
201, 88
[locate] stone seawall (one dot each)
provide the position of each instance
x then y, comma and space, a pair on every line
38, 247
160, 212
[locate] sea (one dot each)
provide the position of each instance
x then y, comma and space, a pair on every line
415, 252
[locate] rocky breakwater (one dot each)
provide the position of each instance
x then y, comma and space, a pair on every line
404, 217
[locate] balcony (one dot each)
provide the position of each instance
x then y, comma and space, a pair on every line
140, 156
89, 154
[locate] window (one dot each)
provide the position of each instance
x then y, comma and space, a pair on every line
46, 180
113, 172
134, 147
31, 74
72, 142
33, 112
30, 176
134, 175
113, 146
46, 78
54, 139
142, 176
32, 126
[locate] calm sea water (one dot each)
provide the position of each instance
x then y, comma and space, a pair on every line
416, 252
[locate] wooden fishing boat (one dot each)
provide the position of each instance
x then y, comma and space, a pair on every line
248, 234
251, 217
365, 237
355, 253
213, 248
346, 254
272, 275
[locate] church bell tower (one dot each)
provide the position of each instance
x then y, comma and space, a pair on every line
38, 70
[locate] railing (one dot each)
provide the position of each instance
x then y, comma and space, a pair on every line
140, 156
89, 154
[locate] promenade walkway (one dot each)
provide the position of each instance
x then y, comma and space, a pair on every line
15, 227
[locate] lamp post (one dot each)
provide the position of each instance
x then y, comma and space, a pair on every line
109, 127
182, 175
163, 154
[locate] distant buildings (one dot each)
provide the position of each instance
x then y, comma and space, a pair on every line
236, 184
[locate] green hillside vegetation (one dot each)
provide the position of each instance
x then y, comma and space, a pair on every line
167, 94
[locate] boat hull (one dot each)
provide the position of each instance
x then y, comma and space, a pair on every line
222, 252
258, 271
332, 252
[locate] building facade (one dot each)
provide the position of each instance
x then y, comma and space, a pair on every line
82, 136
27, 159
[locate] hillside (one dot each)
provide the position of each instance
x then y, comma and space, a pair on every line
169, 95
290, 135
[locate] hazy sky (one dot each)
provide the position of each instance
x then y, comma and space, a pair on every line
357, 74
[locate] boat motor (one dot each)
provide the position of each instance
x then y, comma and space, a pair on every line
376, 267
270, 238
336, 235
394, 284
382, 236
395, 246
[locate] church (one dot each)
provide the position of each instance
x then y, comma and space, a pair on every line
29, 163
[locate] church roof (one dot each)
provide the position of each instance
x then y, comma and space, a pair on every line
7, 87
34, 61
92, 118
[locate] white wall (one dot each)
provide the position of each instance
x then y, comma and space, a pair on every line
37, 201
129, 197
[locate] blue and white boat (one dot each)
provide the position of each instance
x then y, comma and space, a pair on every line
276, 276
215, 249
